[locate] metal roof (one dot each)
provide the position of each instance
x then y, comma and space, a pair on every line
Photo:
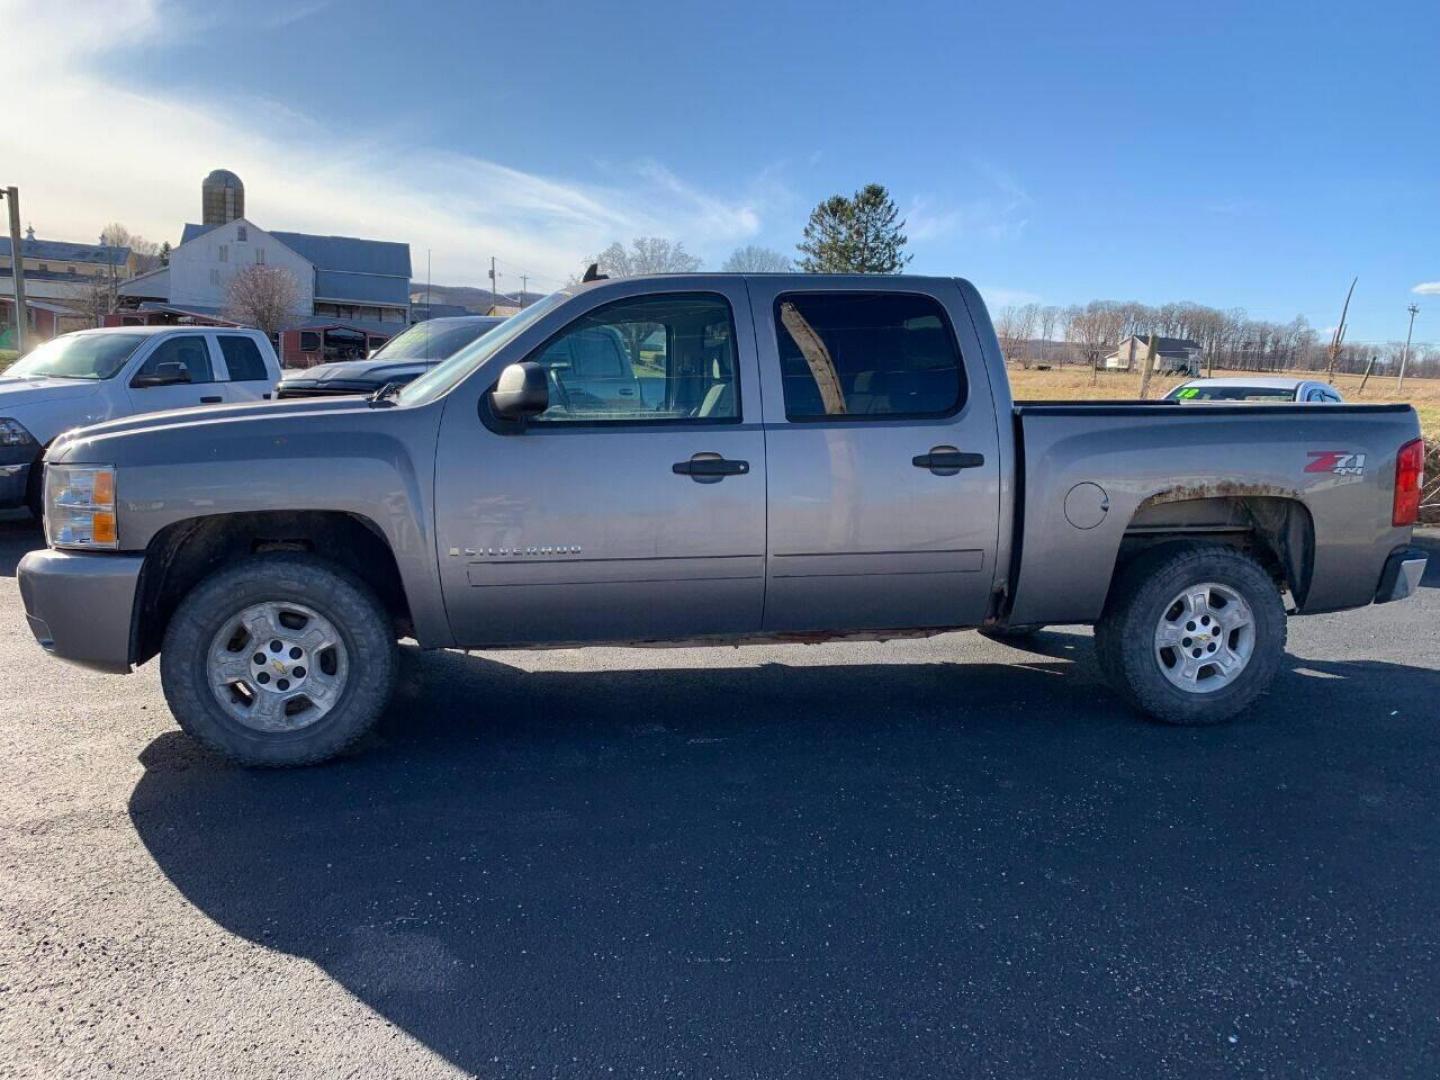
64, 251
351, 254
348, 288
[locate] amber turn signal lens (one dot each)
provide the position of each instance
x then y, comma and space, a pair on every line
102, 527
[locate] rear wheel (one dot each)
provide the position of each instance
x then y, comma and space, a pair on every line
282, 659
1192, 634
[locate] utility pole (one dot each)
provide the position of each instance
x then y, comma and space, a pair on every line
494, 285
524, 285
1406, 354
1149, 368
1339, 337
17, 267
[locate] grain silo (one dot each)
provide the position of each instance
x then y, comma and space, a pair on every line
222, 198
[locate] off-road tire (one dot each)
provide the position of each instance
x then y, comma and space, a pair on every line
1125, 634
339, 596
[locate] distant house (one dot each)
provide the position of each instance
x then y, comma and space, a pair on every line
61, 260
1172, 355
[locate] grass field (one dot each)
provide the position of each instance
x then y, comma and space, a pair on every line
7, 357
1077, 382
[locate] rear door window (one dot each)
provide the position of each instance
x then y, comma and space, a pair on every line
242, 357
881, 355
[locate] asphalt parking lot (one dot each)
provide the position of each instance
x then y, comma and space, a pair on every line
934, 858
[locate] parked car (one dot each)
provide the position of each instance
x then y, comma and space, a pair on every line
93, 375
408, 354
1256, 388
827, 457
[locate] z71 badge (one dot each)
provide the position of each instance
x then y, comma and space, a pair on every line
1337, 462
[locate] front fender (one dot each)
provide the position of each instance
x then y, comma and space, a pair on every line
374, 464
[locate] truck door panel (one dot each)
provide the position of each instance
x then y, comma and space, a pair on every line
610, 518
882, 464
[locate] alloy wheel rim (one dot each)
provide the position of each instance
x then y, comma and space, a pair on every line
277, 667
1205, 638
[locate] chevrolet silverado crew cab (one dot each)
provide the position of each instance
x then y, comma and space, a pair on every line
93, 375
800, 458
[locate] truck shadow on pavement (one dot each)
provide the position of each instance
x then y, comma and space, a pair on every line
840, 870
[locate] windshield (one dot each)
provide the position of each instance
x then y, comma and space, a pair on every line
1233, 393
425, 341
77, 356
441, 380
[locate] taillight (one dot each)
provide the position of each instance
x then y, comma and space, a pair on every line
1409, 479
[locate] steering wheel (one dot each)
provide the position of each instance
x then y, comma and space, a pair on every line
557, 389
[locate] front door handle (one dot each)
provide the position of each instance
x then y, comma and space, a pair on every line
211, 400
709, 468
947, 461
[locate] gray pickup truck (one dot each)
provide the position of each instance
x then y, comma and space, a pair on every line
801, 458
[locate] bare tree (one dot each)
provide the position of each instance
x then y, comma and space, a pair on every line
1005, 322
646, 255
753, 259
1097, 328
92, 297
1049, 317
265, 297
147, 252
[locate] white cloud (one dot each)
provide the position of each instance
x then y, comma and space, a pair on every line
998, 214
1427, 288
86, 149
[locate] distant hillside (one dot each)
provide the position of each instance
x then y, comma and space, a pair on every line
472, 299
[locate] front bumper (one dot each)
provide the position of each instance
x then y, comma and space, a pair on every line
81, 606
1401, 576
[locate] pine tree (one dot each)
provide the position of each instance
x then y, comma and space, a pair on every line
859, 235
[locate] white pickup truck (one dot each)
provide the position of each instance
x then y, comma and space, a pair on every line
94, 375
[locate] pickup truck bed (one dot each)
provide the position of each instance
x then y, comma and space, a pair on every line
1201, 470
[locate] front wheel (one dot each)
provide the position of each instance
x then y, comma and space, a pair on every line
282, 659
1192, 634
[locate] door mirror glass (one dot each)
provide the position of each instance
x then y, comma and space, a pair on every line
171, 373
523, 390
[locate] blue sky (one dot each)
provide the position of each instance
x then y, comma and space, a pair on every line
1241, 155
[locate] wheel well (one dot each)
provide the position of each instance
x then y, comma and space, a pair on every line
1277, 532
181, 555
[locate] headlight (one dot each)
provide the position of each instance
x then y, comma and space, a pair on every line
80, 506
13, 433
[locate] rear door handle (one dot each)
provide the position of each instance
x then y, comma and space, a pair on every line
211, 400
709, 468
947, 461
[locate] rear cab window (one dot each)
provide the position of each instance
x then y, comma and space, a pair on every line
858, 355
242, 358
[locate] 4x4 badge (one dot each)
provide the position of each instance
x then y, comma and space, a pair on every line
1338, 462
